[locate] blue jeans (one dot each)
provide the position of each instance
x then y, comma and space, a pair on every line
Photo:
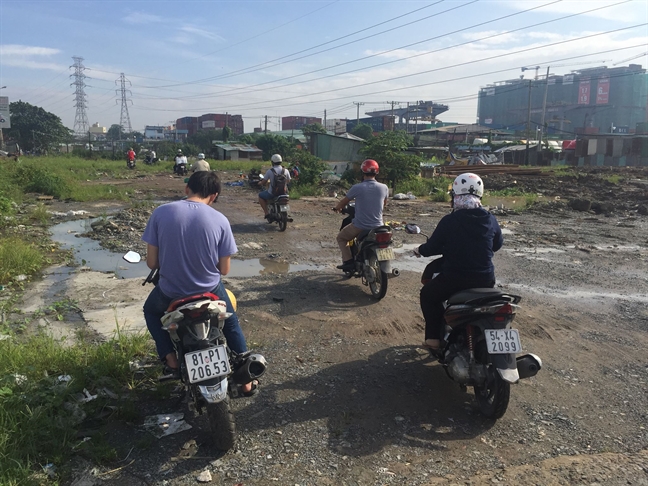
266, 195
157, 303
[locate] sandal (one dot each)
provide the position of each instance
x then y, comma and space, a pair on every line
253, 391
169, 373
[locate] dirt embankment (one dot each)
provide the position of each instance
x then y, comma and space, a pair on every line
350, 398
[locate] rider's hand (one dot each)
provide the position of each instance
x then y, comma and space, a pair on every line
336, 209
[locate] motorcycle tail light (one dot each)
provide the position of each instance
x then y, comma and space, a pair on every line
383, 237
504, 313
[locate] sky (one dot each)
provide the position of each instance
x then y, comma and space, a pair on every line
260, 58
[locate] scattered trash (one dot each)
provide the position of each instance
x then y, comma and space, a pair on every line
20, 379
85, 397
165, 424
50, 470
21, 278
63, 379
252, 245
237, 183
400, 196
204, 477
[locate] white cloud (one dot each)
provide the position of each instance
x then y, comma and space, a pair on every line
20, 50
629, 11
142, 18
201, 33
496, 37
29, 64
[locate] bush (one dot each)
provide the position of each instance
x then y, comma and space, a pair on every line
38, 179
310, 167
18, 257
424, 187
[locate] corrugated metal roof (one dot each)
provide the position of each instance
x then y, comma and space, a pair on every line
227, 147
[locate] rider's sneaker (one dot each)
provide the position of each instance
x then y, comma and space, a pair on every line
268, 218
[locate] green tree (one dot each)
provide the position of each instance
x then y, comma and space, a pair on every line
227, 133
275, 144
204, 139
388, 149
115, 132
249, 138
313, 128
310, 167
34, 128
363, 131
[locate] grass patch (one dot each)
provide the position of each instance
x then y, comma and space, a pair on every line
437, 187
613, 179
18, 257
305, 190
40, 415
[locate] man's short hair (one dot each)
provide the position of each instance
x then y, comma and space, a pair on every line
204, 183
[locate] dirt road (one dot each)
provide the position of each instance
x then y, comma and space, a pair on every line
351, 399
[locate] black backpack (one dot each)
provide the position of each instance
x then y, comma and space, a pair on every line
280, 184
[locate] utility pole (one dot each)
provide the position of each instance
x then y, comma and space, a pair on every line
124, 118
358, 116
392, 114
528, 124
407, 119
80, 119
324, 119
265, 130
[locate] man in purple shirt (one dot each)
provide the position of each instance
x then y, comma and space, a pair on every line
191, 244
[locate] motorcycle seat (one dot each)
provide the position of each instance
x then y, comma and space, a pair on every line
190, 298
474, 295
283, 199
379, 229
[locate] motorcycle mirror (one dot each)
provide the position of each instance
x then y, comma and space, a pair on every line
412, 229
132, 257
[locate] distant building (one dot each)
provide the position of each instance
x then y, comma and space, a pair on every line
336, 125
297, 122
587, 101
237, 151
98, 131
377, 123
189, 123
210, 121
154, 132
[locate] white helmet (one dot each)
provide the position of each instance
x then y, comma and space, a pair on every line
201, 156
468, 183
276, 159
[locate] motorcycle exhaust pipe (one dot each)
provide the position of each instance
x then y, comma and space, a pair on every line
528, 365
396, 272
252, 367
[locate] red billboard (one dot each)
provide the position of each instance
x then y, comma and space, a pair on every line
603, 91
584, 93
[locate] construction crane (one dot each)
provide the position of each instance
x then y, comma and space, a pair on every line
631, 58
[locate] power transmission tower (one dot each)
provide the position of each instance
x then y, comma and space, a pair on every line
124, 118
81, 125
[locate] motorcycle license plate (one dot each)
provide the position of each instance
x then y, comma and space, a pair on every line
384, 254
284, 208
503, 341
207, 363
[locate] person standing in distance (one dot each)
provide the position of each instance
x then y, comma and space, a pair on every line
370, 197
270, 178
191, 244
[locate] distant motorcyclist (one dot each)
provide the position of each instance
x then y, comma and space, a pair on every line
467, 238
200, 164
180, 163
276, 178
130, 155
370, 197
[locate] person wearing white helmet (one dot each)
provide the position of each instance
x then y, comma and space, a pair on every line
180, 160
200, 164
467, 239
278, 179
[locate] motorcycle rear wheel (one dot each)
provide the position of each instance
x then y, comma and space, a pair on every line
493, 398
283, 221
379, 286
221, 424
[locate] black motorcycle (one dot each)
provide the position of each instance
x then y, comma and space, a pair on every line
278, 211
209, 370
480, 346
180, 169
372, 253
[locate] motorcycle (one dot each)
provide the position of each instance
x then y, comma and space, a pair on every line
372, 255
180, 169
278, 211
209, 370
480, 346
254, 178
130, 163
150, 160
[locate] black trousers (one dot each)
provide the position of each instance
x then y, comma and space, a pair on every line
438, 290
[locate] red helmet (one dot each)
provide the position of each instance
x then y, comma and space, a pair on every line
370, 166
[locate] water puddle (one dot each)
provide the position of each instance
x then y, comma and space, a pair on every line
91, 254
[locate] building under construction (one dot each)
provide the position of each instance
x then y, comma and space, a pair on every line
588, 101
405, 113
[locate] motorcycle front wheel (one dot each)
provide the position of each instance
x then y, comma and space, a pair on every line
283, 221
221, 424
493, 397
379, 286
